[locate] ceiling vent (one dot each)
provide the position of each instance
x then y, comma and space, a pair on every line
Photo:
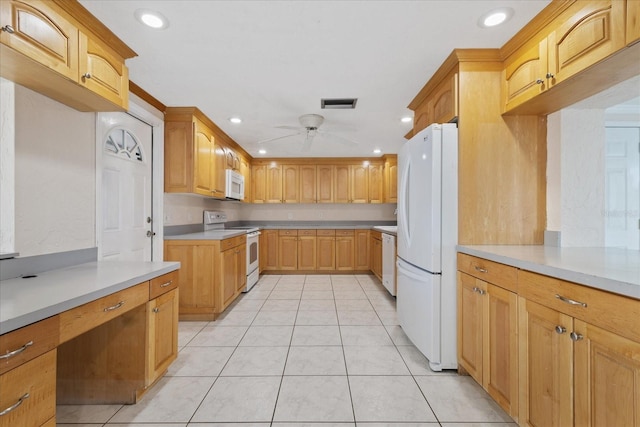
338, 103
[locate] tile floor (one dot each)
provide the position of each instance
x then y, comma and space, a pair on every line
298, 350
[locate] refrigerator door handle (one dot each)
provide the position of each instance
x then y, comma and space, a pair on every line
402, 269
404, 206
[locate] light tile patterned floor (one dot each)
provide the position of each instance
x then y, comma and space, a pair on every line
298, 351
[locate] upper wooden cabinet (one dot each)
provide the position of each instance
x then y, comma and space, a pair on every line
442, 104
633, 21
59, 49
376, 183
308, 189
391, 179
290, 184
324, 184
245, 170
582, 35
351, 183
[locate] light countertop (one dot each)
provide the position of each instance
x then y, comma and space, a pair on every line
609, 269
207, 235
389, 229
27, 300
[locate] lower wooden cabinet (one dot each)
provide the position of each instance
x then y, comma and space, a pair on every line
345, 247
376, 253
326, 250
361, 248
269, 250
307, 250
162, 335
288, 250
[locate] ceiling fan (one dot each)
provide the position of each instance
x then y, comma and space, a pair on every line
309, 124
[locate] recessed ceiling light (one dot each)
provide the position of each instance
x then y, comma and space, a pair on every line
262, 151
377, 151
406, 119
495, 17
235, 120
151, 18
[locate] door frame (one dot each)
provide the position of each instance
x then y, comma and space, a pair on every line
141, 113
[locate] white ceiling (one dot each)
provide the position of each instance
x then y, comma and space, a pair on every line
272, 61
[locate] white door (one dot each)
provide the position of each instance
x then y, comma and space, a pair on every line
125, 228
622, 188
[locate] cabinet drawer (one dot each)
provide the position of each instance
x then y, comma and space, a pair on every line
376, 234
344, 232
608, 311
36, 339
81, 319
306, 232
288, 232
163, 284
37, 378
233, 242
326, 232
499, 274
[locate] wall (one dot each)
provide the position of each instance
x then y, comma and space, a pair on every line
187, 209
7, 169
55, 187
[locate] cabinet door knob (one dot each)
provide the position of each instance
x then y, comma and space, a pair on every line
575, 336
550, 75
9, 29
561, 329
539, 81
156, 310
86, 76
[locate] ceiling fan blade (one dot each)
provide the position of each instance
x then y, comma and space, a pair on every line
340, 139
298, 128
277, 138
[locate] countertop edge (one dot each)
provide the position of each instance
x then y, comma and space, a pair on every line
18, 322
627, 289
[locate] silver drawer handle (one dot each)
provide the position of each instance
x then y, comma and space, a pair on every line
480, 269
155, 310
478, 290
114, 307
17, 351
15, 405
164, 285
570, 301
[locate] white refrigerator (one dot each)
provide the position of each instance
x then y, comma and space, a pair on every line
427, 238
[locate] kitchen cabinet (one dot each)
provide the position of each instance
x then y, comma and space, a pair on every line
194, 159
290, 184
442, 105
232, 161
269, 250
499, 159
376, 183
633, 22
211, 276
58, 49
307, 250
581, 36
579, 354
258, 183
307, 189
288, 250
326, 250
345, 247
376, 253
245, 170
361, 250
487, 328
391, 179
351, 183
325, 177
273, 183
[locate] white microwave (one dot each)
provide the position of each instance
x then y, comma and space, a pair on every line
234, 187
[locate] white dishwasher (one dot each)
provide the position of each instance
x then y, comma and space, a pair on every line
389, 262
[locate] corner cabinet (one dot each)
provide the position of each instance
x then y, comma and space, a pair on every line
60, 50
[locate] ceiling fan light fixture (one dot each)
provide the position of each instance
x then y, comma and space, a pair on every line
338, 103
311, 121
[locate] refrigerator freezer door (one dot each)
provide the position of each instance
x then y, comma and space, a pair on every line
419, 200
418, 304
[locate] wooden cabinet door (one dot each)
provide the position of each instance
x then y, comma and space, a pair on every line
269, 249
196, 274
162, 334
423, 116
341, 184
307, 258
324, 183
391, 181
326, 253
290, 184
259, 183
524, 76
359, 177
361, 255
345, 247
204, 152
41, 34
545, 365
588, 35
288, 252
102, 71
218, 172
500, 348
274, 184
470, 324
606, 378
376, 181
228, 277
307, 188
245, 170
633, 21
376, 256
241, 268
445, 100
